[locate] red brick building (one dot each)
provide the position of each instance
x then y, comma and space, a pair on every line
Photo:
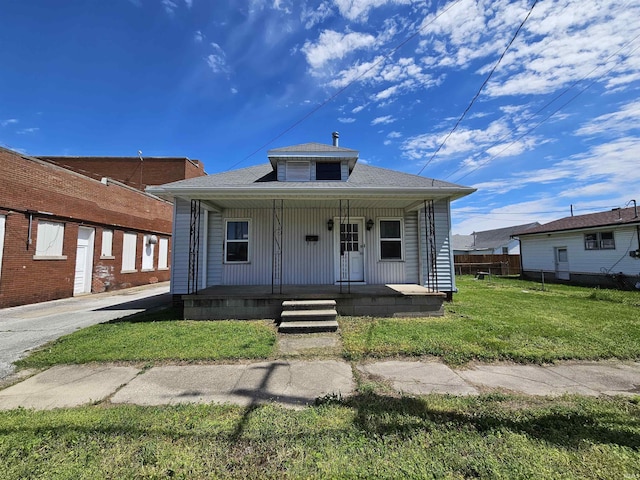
63, 233
137, 172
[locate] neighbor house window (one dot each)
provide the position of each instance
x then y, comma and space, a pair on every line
50, 238
107, 243
129, 245
599, 241
236, 246
328, 171
163, 254
390, 233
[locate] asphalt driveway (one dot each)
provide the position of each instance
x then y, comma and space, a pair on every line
29, 326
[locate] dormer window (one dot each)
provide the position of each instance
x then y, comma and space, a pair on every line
298, 171
328, 171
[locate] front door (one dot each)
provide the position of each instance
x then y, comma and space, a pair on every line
84, 261
350, 251
562, 263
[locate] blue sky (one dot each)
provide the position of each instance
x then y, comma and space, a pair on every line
557, 124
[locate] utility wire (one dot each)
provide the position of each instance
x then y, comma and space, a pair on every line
540, 122
544, 107
341, 90
480, 89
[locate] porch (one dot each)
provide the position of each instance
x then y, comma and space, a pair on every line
245, 302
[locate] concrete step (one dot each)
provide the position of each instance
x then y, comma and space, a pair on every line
308, 304
308, 327
308, 315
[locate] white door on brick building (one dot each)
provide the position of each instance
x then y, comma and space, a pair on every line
2, 223
84, 261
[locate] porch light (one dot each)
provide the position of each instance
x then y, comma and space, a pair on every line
330, 224
369, 224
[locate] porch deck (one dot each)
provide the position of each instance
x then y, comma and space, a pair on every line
244, 302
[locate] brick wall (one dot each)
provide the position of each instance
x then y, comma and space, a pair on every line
130, 170
31, 190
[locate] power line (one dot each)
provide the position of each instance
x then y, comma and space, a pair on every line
473, 100
553, 100
341, 90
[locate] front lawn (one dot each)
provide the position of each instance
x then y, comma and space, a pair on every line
368, 436
175, 340
507, 319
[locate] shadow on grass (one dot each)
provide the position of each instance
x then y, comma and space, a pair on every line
159, 314
566, 426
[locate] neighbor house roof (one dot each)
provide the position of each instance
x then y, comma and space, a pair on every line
618, 216
489, 239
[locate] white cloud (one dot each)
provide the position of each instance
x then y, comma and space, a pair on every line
234, 90
625, 119
217, 61
8, 121
26, 131
169, 6
394, 134
346, 120
314, 15
358, 109
332, 46
387, 119
198, 37
359, 9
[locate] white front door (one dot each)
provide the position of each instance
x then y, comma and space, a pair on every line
562, 263
350, 251
84, 261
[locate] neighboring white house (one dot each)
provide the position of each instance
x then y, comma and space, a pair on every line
499, 241
312, 216
599, 249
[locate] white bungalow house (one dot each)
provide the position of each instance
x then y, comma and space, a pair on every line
598, 249
312, 223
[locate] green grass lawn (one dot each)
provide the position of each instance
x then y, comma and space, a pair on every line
175, 340
507, 319
367, 436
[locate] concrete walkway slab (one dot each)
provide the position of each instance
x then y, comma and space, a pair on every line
527, 379
419, 378
607, 379
66, 386
290, 383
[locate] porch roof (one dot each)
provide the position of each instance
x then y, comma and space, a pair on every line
366, 185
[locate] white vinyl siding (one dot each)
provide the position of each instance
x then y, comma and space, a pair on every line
129, 246
50, 239
163, 253
107, 243
3, 219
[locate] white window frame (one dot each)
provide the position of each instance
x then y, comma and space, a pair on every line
390, 239
129, 240
148, 254
49, 241
598, 242
3, 224
163, 253
247, 240
107, 244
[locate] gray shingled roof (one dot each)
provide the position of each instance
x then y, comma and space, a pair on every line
310, 148
489, 239
620, 216
263, 177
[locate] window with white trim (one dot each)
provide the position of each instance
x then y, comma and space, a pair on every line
390, 238
599, 241
163, 254
107, 243
129, 246
49, 239
236, 245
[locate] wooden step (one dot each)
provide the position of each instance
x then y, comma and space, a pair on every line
314, 326
308, 315
308, 304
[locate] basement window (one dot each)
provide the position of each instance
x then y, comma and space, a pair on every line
236, 246
599, 241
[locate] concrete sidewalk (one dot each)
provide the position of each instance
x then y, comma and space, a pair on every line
296, 383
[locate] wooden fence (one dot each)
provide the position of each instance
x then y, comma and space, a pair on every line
493, 264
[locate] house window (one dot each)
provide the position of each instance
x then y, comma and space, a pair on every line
148, 251
298, 171
49, 240
107, 243
163, 254
505, 250
236, 247
328, 171
129, 245
599, 241
390, 233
